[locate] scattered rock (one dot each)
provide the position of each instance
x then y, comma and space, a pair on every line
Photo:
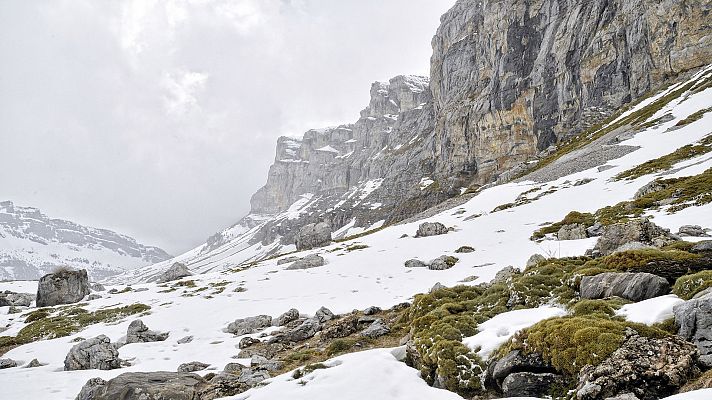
534, 260
12, 299
694, 317
647, 368
138, 332
7, 363
637, 230
192, 366
437, 286
442, 263
431, 229
94, 353
33, 364
415, 263
175, 272
185, 340
234, 368
465, 249
633, 246
93, 297
247, 342
595, 230
246, 326
145, 386
529, 384
97, 287
289, 316
323, 314
304, 331
693, 230
287, 260
342, 328
377, 329
14, 310
259, 362
651, 187
572, 232
223, 385
372, 310
313, 235
310, 261
702, 247
266, 350
505, 274
514, 362
632, 286
62, 287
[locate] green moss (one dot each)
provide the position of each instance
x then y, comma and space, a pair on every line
360, 235
572, 342
687, 286
356, 247
597, 307
670, 264
308, 369
37, 315
694, 117
339, 346
574, 217
666, 162
465, 249
188, 283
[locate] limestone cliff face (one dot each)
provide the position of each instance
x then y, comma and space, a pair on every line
510, 78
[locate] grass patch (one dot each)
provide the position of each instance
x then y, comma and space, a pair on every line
666, 162
694, 117
574, 217
687, 286
360, 235
356, 247
307, 369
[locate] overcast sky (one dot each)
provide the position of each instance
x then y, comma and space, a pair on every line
158, 119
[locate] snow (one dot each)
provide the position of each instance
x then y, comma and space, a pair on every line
702, 394
425, 182
498, 330
650, 311
328, 149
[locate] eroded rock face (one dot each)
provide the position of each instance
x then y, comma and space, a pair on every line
63, 287
631, 286
694, 317
95, 353
138, 332
313, 235
572, 232
639, 230
648, 368
175, 272
145, 386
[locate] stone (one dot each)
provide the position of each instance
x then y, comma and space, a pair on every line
648, 368
515, 362
13, 299
304, 331
310, 261
372, 310
692, 230
94, 353
138, 332
313, 235
186, 339
93, 297
260, 362
14, 310
465, 249
649, 188
505, 274
633, 246
62, 287
442, 263
287, 260
529, 384
595, 230
234, 368
415, 263
534, 260
632, 286
33, 364
341, 328
431, 229
7, 363
145, 386
252, 377
249, 325
637, 230
247, 342
323, 314
224, 385
287, 317
694, 317
572, 232
192, 366
437, 286
702, 247
175, 272
97, 287
377, 329
266, 350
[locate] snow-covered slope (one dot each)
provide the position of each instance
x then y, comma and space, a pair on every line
373, 274
32, 244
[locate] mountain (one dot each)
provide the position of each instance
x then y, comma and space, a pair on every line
509, 80
33, 244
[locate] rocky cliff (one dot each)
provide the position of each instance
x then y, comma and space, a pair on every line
32, 244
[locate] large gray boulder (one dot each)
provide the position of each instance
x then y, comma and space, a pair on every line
287, 317
94, 353
431, 229
13, 299
175, 272
62, 287
246, 326
572, 232
515, 362
647, 368
415, 263
323, 314
637, 230
377, 328
145, 386
310, 261
304, 331
694, 317
530, 384
693, 230
313, 235
534, 260
138, 332
632, 286
442, 263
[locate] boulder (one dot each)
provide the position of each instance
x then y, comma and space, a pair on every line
287, 317
287, 260
13, 299
266, 350
249, 325
323, 314
572, 232
692, 230
310, 261
234, 368
262, 363
138, 332
515, 362
192, 366
465, 249
694, 317
33, 364
175, 272
223, 385
651, 187
62, 287
7, 363
595, 230
342, 328
637, 230
186, 339
145, 386
304, 331
377, 329
372, 310
632, 286
437, 286
431, 229
415, 263
633, 246
530, 384
645, 367
534, 260
97, 287
247, 342
442, 263
94, 353
313, 235
505, 274
702, 247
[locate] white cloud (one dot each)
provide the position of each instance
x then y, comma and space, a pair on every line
183, 88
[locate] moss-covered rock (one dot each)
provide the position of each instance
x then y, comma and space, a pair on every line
687, 286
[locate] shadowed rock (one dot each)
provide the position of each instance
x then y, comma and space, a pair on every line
62, 287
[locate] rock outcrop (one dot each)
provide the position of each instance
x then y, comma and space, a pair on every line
145, 386
313, 235
632, 286
95, 353
62, 287
307, 262
431, 229
246, 326
138, 332
639, 230
694, 317
13, 299
175, 272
